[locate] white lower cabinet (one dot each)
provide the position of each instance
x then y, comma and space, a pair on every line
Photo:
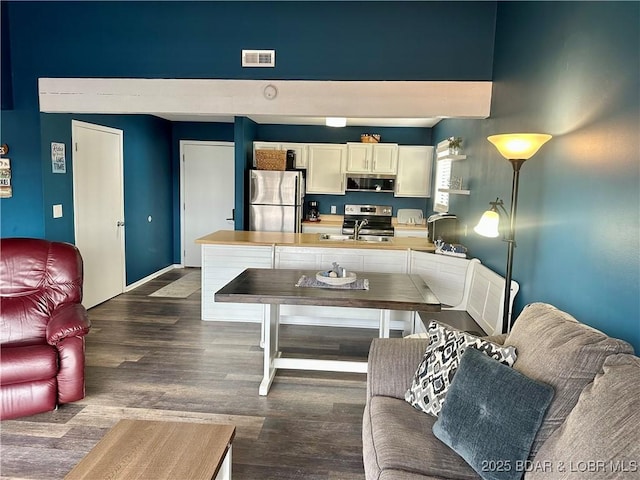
220, 265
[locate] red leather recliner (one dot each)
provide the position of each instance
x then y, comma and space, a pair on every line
42, 326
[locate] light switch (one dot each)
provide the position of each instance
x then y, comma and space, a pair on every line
57, 211
333, 209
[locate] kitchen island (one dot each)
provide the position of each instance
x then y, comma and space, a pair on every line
241, 237
226, 253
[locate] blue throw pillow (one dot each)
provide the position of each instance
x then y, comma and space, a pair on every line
491, 416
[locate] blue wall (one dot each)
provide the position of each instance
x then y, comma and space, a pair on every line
200, 39
578, 244
148, 187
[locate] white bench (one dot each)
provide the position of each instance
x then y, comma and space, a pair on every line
478, 306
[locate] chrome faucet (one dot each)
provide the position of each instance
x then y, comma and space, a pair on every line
358, 226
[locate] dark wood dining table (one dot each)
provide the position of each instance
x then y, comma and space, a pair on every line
275, 287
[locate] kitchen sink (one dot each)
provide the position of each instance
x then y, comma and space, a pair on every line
375, 238
335, 237
363, 238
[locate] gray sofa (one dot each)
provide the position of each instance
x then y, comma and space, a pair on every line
590, 430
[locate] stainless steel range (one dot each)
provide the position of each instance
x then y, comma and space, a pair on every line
367, 220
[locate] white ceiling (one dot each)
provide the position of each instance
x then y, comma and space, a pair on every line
299, 120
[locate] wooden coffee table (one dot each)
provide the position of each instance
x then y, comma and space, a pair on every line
141, 449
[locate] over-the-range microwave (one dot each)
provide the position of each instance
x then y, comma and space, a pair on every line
371, 183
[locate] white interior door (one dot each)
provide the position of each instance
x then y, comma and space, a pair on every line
207, 193
98, 201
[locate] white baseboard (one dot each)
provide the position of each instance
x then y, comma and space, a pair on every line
144, 280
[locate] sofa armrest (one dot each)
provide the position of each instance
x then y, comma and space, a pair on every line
69, 320
392, 364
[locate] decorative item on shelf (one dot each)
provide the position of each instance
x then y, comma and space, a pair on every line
455, 183
370, 138
451, 249
516, 148
455, 144
4, 149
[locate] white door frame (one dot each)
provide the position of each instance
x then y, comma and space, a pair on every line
182, 143
120, 135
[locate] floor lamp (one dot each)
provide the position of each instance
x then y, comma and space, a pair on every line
516, 148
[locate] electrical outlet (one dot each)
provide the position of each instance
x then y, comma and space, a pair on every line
333, 209
57, 211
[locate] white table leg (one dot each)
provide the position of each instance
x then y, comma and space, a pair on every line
265, 316
271, 334
225, 469
385, 323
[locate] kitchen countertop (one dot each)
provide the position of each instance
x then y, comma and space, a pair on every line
241, 237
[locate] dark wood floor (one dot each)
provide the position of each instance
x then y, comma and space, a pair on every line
153, 358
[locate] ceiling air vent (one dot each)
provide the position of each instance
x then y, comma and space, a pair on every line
258, 58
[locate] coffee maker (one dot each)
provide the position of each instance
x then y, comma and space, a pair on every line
313, 213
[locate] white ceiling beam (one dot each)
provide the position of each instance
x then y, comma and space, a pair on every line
390, 99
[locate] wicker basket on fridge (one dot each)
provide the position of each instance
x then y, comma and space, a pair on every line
271, 159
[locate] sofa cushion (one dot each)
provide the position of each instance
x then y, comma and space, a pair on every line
601, 435
26, 364
398, 438
440, 362
554, 348
491, 416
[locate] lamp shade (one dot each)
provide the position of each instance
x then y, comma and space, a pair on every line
520, 146
488, 224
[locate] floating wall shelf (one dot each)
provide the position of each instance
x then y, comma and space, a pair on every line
455, 192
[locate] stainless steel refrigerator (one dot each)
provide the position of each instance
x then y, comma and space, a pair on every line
275, 200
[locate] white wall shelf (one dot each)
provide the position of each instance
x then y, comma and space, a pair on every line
455, 192
451, 157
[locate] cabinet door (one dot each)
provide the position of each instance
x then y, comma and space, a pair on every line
325, 170
414, 171
359, 157
301, 153
385, 158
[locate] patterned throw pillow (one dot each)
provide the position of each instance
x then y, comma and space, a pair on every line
440, 362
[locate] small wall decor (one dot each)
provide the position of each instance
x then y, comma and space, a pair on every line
5, 178
58, 160
455, 144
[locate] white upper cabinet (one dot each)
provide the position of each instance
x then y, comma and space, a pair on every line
301, 150
380, 158
414, 171
325, 169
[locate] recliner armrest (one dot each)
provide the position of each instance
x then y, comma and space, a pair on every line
392, 364
70, 320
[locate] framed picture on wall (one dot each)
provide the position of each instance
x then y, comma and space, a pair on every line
58, 160
5, 178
